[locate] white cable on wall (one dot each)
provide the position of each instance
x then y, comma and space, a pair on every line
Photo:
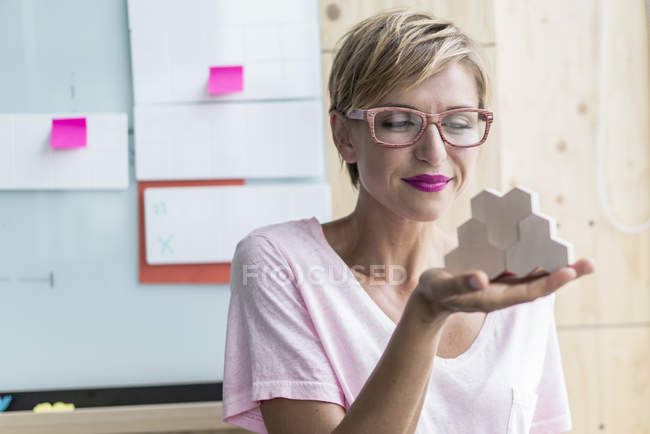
602, 124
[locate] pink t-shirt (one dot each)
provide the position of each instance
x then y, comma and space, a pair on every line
301, 326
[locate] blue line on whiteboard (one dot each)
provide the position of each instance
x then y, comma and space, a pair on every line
165, 245
4, 402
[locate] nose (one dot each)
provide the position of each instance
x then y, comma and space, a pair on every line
431, 148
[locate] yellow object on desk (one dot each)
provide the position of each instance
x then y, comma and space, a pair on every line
58, 406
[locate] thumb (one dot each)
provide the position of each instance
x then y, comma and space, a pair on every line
447, 284
476, 279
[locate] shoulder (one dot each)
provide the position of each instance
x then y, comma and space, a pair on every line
284, 232
275, 242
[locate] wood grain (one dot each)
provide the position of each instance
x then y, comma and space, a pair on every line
199, 417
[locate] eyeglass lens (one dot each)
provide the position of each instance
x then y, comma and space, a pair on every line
397, 127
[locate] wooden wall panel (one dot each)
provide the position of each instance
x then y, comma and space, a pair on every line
473, 16
580, 351
607, 372
548, 63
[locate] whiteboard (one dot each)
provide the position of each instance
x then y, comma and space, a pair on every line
73, 312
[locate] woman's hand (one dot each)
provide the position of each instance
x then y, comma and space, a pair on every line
444, 293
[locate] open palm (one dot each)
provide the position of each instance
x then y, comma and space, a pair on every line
507, 291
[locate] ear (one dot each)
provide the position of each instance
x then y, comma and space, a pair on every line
341, 136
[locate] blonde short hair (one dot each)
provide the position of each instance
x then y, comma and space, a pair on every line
398, 47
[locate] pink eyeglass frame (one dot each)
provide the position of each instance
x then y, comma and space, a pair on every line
428, 118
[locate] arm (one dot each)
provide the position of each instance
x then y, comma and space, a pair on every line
403, 371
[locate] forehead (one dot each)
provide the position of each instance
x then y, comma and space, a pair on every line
454, 86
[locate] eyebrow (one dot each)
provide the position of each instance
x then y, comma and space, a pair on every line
390, 104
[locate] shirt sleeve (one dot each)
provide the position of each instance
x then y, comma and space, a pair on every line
552, 414
272, 348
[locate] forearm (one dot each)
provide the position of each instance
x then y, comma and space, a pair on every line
391, 399
414, 421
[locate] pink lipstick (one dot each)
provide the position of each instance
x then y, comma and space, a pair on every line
428, 183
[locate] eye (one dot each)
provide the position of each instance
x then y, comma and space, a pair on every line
396, 123
458, 121
397, 120
456, 125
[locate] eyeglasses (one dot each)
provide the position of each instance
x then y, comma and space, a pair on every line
399, 126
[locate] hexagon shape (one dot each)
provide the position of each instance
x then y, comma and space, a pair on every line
483, 255
538, 247
507, 234
502, 213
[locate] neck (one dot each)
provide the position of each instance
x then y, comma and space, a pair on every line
376, 242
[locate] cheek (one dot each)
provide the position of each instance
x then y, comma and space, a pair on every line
382, 167
371, 167
369, 156
465, 158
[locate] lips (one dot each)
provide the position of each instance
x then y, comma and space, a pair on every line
428, 179
428, 183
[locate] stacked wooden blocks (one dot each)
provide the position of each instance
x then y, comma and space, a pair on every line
508, 236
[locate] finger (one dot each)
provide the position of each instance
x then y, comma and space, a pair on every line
584, 266
554, 281
435, 273
572, 271
506, 292
488, 299
515, 280
502, 294
470, 281
448, 287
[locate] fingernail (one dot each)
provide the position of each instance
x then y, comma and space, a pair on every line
474, 282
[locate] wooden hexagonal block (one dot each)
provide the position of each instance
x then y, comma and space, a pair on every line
508, 236
485, 256
538, 246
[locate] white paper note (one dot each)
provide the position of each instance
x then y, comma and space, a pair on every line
28, 162
229, 140
174, 43
187, 225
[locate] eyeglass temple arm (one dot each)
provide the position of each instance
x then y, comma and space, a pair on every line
357, 114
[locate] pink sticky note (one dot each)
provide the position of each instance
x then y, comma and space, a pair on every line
226, 79
68, 133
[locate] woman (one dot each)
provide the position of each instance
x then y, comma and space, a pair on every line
353, 326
